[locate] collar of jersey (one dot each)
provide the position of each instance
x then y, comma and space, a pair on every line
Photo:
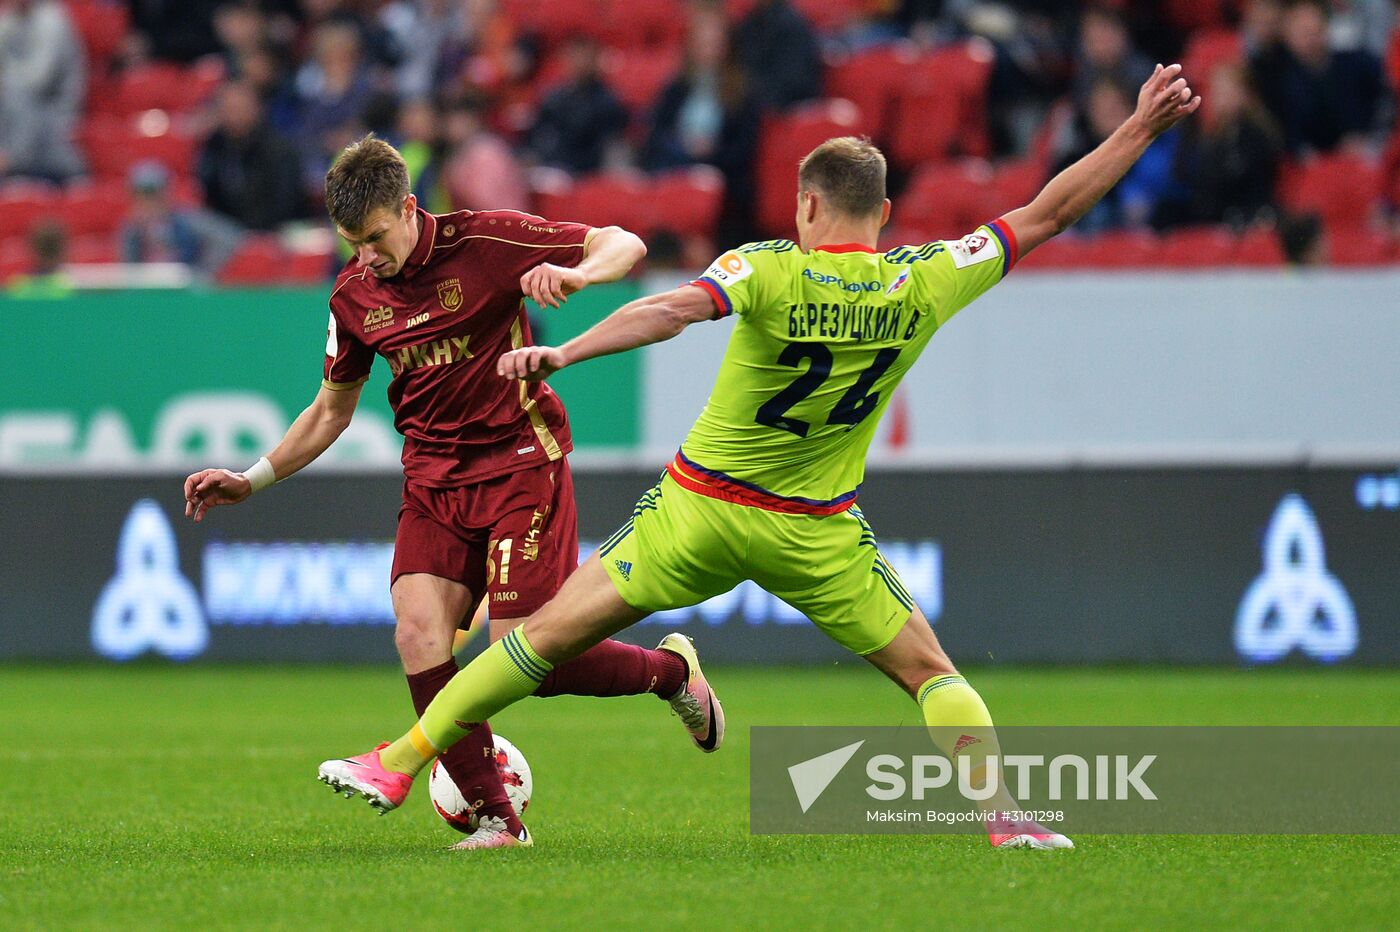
844, 247
423, 251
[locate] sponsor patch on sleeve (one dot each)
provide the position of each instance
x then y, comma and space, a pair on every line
972, 249
729, 269
330, 337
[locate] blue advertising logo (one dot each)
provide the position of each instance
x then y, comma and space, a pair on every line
148, 604
1295, 601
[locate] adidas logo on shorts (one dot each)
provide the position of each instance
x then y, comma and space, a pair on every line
625, 568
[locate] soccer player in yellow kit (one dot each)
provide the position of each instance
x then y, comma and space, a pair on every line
764, 486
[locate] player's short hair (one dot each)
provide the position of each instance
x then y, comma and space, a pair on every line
849, 171
368, 175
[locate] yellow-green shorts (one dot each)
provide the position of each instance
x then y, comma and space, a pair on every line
680, 548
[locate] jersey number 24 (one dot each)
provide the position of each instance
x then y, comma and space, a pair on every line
855, 405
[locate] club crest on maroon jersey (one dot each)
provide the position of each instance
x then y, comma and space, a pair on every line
450, 294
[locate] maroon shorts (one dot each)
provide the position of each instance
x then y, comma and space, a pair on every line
514, 537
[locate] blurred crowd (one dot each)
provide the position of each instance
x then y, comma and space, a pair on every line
218, 118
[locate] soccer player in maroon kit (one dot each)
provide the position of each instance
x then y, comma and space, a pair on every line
488, 508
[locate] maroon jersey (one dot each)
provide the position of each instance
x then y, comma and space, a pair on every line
441, 324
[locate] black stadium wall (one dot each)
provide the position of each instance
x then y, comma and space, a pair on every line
1224, 566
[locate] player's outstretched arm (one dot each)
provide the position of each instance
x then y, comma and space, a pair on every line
1163, 101
640, 323
310, 435
609, 254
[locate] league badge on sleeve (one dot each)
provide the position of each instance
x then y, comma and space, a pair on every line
972, 249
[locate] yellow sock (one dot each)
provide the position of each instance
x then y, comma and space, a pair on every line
505, 673
960, 725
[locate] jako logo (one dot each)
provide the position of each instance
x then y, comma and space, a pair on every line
148, 604
1295, 602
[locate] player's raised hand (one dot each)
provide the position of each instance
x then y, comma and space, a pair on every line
550, 285
1165, 100
532, 363
211, 487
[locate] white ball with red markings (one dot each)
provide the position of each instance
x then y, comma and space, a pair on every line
461, 814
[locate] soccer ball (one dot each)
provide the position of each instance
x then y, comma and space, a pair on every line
460, 814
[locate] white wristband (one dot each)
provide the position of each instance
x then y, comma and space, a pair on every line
260, 474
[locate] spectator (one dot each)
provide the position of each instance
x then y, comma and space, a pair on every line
41, 91
250, 174
242, 31
263, 68
158, 231
175, 30
707, 115
481, 172
425, 31
419, 141
779, 51
1235, 160
582, 118
1106, 52
1361, 24
48, 245
1325, 98
1150, 193
332, 90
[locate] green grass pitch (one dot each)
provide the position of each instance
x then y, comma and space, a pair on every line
151, 797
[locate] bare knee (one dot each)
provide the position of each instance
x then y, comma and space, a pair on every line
423, 639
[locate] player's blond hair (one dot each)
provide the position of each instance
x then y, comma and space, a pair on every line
367, 176
849, 171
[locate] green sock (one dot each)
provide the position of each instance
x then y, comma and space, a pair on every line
505, 673
960, 725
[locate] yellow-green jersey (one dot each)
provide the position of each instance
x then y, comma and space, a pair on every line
821, 341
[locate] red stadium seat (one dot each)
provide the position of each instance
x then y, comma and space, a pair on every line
785, 139
941, 106
1342, 188
556, 20
602, 199
309, 268
23, 204
687, 202
115, 144
1015, 184
166, 87
87, 209
1361, 248
643, 24
15, 258
1260, 248
259, 261
1191, 15
88, 250
638, 76
871, 79
1196, 247
950, 199
101, 26
1207, 51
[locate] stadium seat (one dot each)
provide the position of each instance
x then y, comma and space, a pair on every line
1196, 247
23, 204
941, 106
1259, 248
1191, 15
1015, 184
114, 144
1208, 50
1342, 188
166, 87
88, 208
556, 20
87, 250
638, 76
309, 268
260, 260
870, 79
1360, 248
101, 27
606, 198
687, 202
949, 199
643, 24
784, 140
